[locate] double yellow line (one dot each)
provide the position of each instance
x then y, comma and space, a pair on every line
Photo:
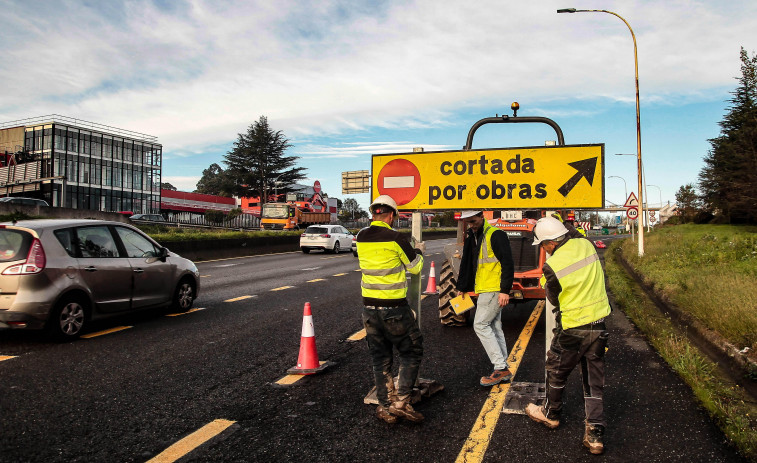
478, 439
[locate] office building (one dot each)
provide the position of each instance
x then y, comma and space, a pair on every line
78, 164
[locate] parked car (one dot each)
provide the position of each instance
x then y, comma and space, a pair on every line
354, 242
61, 274
330, 238
148, 217
600, 244
24, 201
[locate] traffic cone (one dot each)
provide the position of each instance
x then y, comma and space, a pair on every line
307, 362
431, 287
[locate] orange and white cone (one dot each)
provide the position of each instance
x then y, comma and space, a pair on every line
431, 287
307, 362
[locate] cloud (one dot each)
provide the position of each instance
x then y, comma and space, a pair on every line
196, 73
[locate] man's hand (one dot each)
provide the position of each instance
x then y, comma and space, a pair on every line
503, 299
421, 246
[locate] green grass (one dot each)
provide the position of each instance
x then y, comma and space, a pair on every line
708, 270
728, 404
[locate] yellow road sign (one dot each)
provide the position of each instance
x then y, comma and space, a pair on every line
553, 177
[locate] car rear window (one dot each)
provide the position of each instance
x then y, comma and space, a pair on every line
14, 244
316, 230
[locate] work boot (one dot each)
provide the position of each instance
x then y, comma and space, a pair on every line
593, 438
403, 409
497, 376
537, 414
383, 414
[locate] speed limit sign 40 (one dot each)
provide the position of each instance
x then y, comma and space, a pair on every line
632, 213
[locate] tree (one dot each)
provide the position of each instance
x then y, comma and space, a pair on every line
351, 210
688, 202
729, 177
167, 186
214, 181
257, 162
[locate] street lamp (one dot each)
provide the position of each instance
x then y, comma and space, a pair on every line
659, 190
625, 188
638, 111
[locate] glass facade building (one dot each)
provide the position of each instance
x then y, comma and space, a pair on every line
84, 165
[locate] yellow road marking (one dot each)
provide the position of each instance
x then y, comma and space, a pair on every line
191, 442
475, 446
282, 287
240, 298
356, 270
291, 379
184, 313
247, 257
104, 332
339, 275
357, 336
204, 276
7, 357
332, 257
317, 279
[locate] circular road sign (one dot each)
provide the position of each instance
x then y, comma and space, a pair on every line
399, 179
317, 186
632, 213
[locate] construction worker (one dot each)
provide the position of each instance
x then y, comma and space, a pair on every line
385, 255
487, 268
575, 285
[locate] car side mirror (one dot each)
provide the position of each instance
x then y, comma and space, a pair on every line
163, 254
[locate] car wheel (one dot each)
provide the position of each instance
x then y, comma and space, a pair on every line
306, 250
68, 319
183, 296
336, 247
354, 253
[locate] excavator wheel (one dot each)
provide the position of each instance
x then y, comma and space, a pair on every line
446, 287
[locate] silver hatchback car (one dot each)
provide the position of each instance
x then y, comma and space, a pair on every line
59, 274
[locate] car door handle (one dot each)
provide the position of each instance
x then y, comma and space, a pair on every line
90, 269
138, 270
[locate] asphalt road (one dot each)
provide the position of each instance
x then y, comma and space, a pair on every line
130, 395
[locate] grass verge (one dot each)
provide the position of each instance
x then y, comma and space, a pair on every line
727, 403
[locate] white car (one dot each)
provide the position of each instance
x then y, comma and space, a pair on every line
330, 238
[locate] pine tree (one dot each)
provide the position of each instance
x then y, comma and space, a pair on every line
728, 180
257, 161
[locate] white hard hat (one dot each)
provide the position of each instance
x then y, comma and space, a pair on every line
385, 200
467, 214
548, 228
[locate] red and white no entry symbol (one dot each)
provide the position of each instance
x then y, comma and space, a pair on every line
399, 179
632, 213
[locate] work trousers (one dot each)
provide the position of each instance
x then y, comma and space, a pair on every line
387, 328
585, 344
488, 327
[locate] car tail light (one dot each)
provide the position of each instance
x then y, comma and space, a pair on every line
35, 261
325, 235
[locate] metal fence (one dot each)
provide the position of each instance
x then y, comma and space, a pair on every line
242, 221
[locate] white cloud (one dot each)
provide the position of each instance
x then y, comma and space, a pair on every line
195, 73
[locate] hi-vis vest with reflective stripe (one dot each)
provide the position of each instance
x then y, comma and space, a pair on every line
383, 267
489, 271
583, 298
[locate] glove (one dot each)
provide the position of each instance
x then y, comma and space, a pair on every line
421, 246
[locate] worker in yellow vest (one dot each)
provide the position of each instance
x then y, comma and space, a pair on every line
385, 256
575, 285
487, 268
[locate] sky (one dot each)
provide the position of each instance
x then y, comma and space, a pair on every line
344, 80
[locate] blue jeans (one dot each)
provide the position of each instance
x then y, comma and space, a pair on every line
387, 328
488, 327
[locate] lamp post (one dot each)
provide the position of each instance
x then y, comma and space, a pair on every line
638, 111
625, 188
659, 190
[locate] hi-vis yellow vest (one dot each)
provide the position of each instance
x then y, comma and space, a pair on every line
489, 271
383, 266
583, 298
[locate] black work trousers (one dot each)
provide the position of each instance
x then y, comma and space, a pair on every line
387, 328
585, 344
